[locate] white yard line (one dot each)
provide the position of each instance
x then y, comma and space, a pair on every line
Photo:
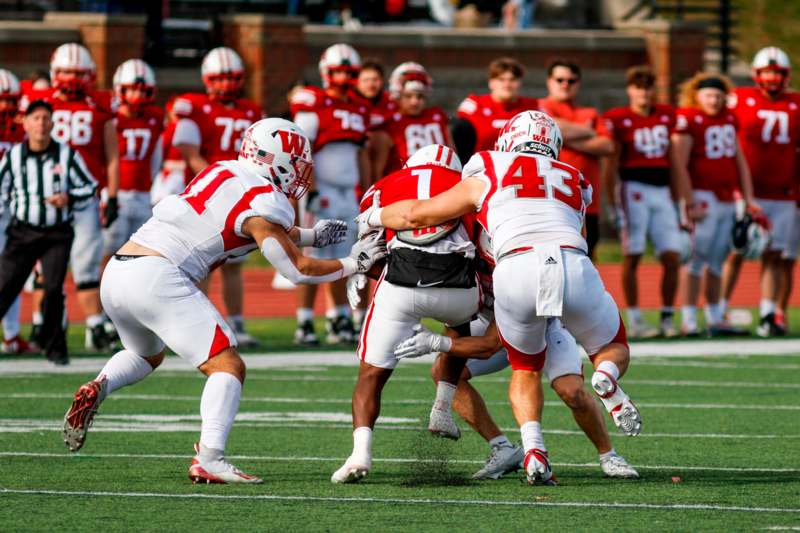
404, 501
401, 460
408, 401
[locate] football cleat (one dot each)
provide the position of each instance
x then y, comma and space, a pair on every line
537, 468
642, 330
441, 424
304, 335
350, 472
340, 330
80, 416
725, 329
96, 339
245, 340
220, 471
504, 459
617, 466
622, 410
15, 346
769, 327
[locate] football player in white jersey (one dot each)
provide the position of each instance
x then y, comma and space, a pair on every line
532, 207
150, 292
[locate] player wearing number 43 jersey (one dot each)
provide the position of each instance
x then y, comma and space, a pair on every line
532, 206
149, 286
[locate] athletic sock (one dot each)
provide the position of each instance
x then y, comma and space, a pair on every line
124, 368
37, 318
610, 453
532, 436
765, 307
304, 314
218, 407
11, 320
610, 368
500, 440
689, 316
444, 396
94, 320
237, 323
362, 446
634, 315
667, 313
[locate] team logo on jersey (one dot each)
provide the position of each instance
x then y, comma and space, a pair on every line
291, 142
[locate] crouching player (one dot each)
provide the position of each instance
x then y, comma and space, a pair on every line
149, 287
532, 207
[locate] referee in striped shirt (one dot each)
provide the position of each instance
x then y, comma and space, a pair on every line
40, 181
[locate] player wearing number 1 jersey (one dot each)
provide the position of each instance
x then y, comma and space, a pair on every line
707, 160
210, 129
643, 202
139, 127
533, 207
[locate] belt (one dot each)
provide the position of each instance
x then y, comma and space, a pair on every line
523, 249
124, 257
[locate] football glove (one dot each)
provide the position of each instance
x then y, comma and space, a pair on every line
364, 254
329, 231
110, 212
355, 283
423, 342
370, 220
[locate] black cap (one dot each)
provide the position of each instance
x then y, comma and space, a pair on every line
37, 104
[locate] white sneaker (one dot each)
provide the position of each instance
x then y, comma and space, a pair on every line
642, 330
350, 472
537, 468
668, 329
218, 472
441, 424
617, 466
622, 410
504, 459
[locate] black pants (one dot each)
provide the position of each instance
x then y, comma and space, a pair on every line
25, 245
592, 233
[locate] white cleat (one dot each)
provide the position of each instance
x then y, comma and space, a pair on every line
245, 340
504, 459
642, 330
441, 424
622, 410
81, 413
350, 472
537, 468
616, 466
221, 472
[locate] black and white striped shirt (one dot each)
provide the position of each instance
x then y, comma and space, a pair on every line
28, 178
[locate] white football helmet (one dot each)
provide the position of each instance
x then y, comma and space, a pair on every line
9, 94
751, 236
339, 57
410, 76
773, 59
223, 74
72, 69
530, 131
278, 150
135, 74
435, 154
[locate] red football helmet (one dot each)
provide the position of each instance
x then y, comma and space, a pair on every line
72, 70
223, 74
771, 69
134, 75
9, 95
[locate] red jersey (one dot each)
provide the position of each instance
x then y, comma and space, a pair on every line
643, 142
338, 120
379, 110
11, 133
220, 126
488, 116
138, 138
409, 134
712, 162
81, 124
769, 133
587, 164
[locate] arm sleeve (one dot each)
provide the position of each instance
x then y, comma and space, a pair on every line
187, 132
309, 123
82, 184
272, 250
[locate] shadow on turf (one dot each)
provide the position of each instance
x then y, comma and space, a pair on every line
432, 466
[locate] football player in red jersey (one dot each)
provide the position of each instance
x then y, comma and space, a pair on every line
769, 134
174, 174
369, 89
337, 126
83, 119
643, 202
139, 127
563, 85
210, 129
708, 161
11, 133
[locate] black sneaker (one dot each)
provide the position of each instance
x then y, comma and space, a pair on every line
304, 335
768, 328
35, 338
96, 339
340, 330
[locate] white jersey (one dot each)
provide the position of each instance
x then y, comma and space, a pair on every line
529, 199
201, 228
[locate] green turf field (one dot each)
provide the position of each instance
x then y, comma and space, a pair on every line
720, 450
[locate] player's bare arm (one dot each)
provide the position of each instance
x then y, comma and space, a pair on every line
572, 131
111, 147
610, 176
680, 150
382, 145
191, 154
365, 168
453, 203
597, 146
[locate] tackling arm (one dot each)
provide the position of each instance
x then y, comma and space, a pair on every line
460, 200
425, 341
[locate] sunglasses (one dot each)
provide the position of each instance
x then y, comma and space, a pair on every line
568, 81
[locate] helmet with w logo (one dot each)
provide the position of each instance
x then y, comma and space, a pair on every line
530, 131
223, 74
134, 75
278, 150
72, 70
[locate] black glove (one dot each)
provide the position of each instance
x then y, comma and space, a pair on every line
110, 212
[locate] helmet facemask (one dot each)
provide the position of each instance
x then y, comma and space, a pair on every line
225, 86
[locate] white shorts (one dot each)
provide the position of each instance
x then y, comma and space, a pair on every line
395, 310
87, 246
562, 356
339, 203
794, 238
781, 216
649, 212
589, 311
713, 235
134, 211
153, 303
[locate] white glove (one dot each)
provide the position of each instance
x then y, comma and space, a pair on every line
423, 342
370, 220
329, 231
364, 254
355, 283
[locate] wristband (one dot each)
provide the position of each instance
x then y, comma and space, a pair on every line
349, 266
307, 236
